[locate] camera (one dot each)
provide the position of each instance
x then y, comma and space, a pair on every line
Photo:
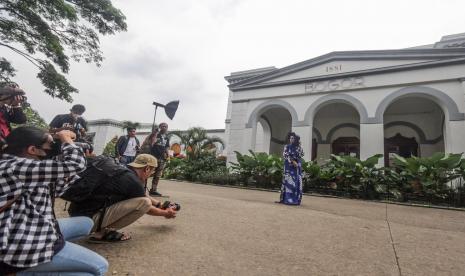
56, 148
9, 91
172, 205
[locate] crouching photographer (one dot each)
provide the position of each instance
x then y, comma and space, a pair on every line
33, 240
114, 196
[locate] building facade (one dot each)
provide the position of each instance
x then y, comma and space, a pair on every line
360, 103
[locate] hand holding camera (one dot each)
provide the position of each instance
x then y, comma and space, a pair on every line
12, 95
66, 136
172, 205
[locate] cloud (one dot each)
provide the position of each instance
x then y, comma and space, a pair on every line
181, 50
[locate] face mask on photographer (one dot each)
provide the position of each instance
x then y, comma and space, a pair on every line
47, 150
75, 116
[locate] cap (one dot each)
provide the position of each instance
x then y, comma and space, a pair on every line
143, 160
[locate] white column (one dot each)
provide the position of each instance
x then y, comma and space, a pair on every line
249, 139
371, 140
305, 133
463, 85
454, 137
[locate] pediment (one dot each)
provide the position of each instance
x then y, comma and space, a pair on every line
340, 63
342, 66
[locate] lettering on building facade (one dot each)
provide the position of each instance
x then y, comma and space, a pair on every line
333, 85
334, 68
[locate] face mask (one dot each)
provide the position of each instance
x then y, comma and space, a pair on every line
51, 153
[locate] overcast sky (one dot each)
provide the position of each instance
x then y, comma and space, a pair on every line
182, 49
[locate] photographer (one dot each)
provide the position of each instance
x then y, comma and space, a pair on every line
119, 200
160, 150
33, 240
11, 111
127, 147
72, 121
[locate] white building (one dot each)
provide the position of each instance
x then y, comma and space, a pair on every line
407, 101
102, 131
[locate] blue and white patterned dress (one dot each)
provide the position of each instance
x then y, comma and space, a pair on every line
291, 189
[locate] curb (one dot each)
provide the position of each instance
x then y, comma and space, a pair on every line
327, 196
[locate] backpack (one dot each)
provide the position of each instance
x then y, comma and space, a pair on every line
99, 169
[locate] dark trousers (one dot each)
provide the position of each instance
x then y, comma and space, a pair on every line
157, 174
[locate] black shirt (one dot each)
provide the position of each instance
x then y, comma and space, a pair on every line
121, 187
67, 120
160, 146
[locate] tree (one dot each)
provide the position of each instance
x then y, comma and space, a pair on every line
196, 141
33, 119
110, 147
43, 32
129, 124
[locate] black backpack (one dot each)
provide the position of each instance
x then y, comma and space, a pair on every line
99, 169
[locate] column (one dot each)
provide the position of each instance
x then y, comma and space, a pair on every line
305, 133
250, 138
463, 85
454, 137
371, 141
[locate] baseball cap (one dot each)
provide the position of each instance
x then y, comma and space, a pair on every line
143, 160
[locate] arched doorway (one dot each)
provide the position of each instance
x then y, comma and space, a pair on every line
339, 124
413, 126
272, 128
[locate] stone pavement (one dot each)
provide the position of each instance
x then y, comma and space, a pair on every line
228, 231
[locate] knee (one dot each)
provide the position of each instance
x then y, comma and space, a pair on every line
103, 267
99, 265
144, 203
87, 223
84, 224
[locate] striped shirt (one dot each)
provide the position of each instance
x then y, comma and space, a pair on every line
28, 229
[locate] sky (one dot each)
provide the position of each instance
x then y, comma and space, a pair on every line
182, 49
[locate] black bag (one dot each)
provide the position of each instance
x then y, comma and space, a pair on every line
99, 169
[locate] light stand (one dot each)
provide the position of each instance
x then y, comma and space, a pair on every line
170, 110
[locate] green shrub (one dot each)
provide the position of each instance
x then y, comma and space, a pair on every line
259, 169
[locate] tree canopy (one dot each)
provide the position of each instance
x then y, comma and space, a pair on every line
129, 124
50, 33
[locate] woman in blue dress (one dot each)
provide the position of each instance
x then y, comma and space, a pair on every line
291, 189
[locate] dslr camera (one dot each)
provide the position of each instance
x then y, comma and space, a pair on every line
172, 205
8, 91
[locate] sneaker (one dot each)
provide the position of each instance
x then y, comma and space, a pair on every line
154, 193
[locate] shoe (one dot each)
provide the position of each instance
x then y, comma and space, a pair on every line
154, 193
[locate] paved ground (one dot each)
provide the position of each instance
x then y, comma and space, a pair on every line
228, 231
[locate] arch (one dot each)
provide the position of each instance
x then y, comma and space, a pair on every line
318, 136
267, 132
415, 128
330, 134
263, 107
337, 98
437, 96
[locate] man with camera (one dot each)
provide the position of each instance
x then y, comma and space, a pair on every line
72, 121
127, 147
160, 151
119, 199
11, 111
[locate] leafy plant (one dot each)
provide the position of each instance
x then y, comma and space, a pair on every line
195, 169
262, 169
109, 149
33, 119
430, 175
196, 141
